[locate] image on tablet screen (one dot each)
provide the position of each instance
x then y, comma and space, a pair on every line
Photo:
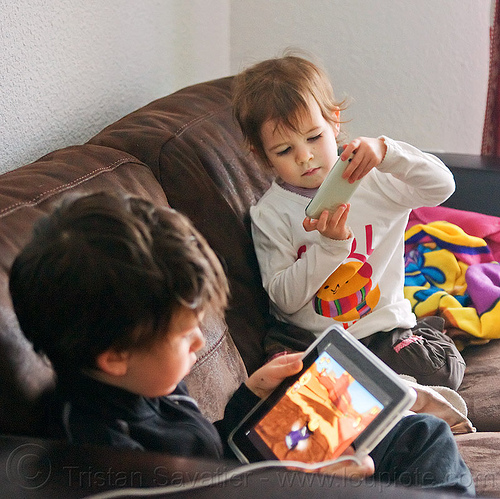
318, 417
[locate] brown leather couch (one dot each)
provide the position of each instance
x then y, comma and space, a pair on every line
186, 150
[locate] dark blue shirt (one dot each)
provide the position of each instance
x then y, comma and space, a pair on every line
97, 413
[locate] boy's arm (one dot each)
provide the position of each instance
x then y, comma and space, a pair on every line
84, 427
259, 385
238, 406
416, 178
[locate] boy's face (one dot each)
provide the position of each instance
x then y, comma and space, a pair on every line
156, 371
302, 158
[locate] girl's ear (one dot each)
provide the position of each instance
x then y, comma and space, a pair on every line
113, 362
262, 160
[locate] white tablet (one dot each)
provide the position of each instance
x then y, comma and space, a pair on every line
343, 396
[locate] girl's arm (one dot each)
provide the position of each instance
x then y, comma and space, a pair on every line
416, 178
290, 279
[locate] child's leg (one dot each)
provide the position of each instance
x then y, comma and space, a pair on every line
421, 450
424, 352
282, 337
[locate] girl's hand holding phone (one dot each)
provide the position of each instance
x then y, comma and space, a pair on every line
331, 225
367, 153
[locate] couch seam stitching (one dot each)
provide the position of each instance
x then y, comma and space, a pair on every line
182, 128
49, 193
214, 347
179, 131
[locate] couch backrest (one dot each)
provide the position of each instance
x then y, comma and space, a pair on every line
191, 142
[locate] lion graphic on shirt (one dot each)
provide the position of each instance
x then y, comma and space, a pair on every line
348, 293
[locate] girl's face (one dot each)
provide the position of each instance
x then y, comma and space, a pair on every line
302, 158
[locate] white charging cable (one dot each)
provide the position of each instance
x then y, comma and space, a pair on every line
219, 478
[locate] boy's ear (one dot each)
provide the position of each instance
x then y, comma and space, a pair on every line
113, 362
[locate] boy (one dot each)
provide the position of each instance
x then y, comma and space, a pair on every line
112, 290
347, 266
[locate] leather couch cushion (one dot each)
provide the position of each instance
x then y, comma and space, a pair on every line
480, 385
193, 145
218, 372
480, 452
26, 194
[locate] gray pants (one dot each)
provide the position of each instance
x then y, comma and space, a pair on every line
424, 352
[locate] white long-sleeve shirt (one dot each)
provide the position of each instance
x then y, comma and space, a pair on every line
313, 281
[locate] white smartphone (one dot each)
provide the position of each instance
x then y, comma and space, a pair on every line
333, 192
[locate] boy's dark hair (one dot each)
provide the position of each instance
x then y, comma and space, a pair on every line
108, 271
278, 89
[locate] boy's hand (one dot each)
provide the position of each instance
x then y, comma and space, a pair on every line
263, 381
368, 154
351, 469
331, 225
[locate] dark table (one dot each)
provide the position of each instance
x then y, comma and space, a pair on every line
477, 182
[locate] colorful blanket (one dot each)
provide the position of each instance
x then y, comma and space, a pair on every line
454, 275
486, 227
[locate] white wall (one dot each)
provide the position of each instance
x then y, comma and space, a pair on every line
70, 67
415, 70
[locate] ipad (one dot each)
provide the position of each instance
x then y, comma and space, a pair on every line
343, 396
334, 191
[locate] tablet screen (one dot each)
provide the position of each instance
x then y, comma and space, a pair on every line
318, 417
